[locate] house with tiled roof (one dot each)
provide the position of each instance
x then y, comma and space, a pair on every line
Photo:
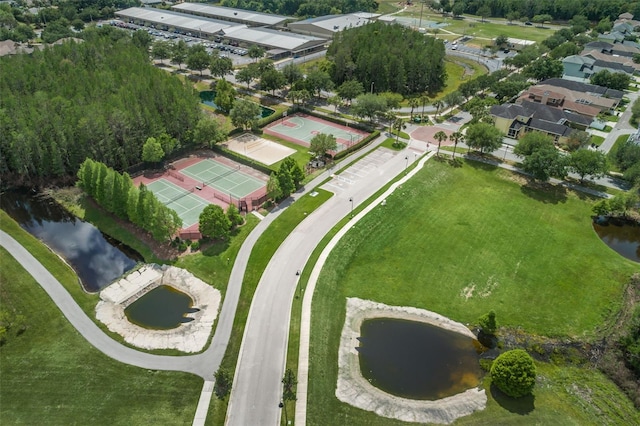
514, 120
587, 88
558, 97
622, 60
578, 67
613, 36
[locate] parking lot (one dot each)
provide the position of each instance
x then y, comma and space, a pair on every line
237, 54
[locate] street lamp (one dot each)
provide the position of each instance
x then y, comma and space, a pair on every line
351, 200
282, 404
372, 87
505, 152
406, 164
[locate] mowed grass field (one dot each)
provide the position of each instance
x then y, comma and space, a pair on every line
462, 241
51, 375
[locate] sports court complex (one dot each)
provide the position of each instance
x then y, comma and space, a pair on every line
301, 128
191, 184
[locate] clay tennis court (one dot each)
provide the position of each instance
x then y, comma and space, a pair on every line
300, 129
259, 149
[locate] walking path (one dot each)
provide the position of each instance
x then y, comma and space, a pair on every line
257, 386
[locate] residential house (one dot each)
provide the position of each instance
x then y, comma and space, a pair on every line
625, 49
517, 119
613, 37
590, 89
578, 67
622, 60
559, 97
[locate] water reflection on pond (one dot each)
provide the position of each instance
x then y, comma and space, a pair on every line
621, 236
415, 360
96, 258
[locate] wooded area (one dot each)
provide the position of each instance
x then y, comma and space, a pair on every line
96, 99
388, 58
116, 193
304, 7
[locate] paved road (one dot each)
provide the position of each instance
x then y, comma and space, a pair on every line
257, 387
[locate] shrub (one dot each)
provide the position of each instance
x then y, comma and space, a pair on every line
487, 323
514, 373
195, 245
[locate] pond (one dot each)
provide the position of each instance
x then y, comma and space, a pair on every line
416, 360
620, 235
97, 259
208, 97
163, 308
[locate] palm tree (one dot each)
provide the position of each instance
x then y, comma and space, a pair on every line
425, 100
398, 125
438, 104
440, 137
456, 137
413, 103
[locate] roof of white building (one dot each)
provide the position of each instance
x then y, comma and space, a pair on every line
247, 16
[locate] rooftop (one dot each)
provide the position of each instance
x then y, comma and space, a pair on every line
247, 16
174, 19
280, 39
585, 87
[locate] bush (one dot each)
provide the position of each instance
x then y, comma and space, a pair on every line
195, 245
514, 373
487, 323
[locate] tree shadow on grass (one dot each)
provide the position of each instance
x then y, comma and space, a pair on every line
522, 406
548, 194
478, 163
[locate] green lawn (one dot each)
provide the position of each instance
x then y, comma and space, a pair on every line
597, 140
51, 375
451, 232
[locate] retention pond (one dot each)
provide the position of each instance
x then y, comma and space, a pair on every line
96, 258
621, 236
416, 360
163, 308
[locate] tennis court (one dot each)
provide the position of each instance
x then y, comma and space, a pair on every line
301, 129
223, 178
187, 205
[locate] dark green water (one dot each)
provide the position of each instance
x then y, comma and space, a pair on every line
415, 360
621, 236
163, 308
208, 97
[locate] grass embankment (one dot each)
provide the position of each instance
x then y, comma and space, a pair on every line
462, 241
262, 252
51, 375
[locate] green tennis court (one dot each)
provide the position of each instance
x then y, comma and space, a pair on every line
226, 179
302, 129
187, 205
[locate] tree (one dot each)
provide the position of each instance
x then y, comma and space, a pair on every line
541, 19
244, 114
456, 137
142, 39
368, 105
514, 373
272, 80
484, 136
457, 9
289, 383
334, 100
393, 99
514, 15
484, 12
440, 137
273, 187
213, 222
350, 90
544, 68
413, 103
179, 52
225, 95
453, 98
531, 142
285, 181
208, 132
222, 386
318, 80
152, 151
501, 40
247, 75
487, 323
292, 73
565, 49
321, 143
161, 50
438, 104
198, 58
255, 52
220, 66
612, 80
544, 163
234, 216
586, 162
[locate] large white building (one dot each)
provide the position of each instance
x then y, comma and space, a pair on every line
327, 26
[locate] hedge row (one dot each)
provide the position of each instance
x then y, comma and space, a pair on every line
364, 142
243, 160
